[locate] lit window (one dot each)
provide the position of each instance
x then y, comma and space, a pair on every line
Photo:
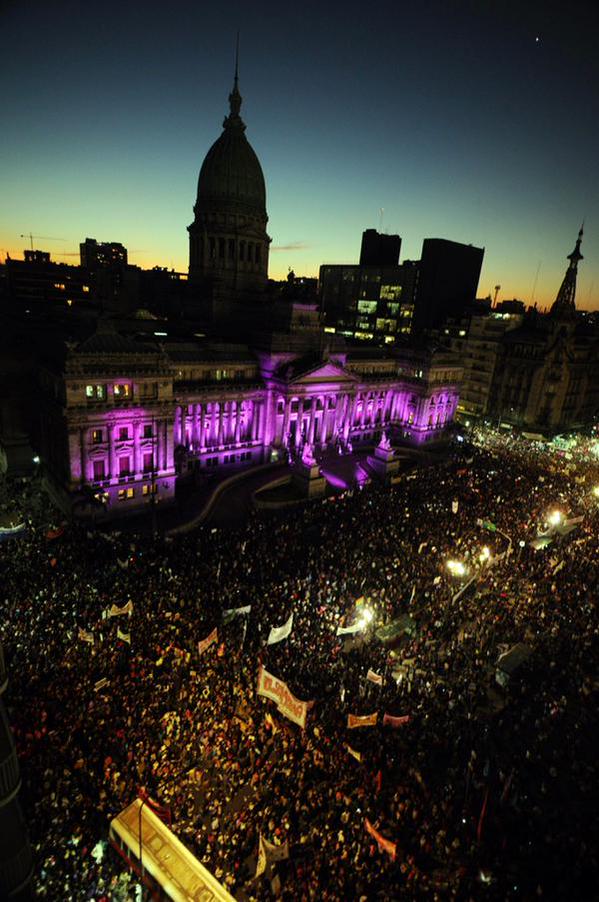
122, 390
85, 288
149, 489
96, 436
59, 285
130, 493
95, 392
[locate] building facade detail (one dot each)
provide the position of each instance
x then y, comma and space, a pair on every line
124, 426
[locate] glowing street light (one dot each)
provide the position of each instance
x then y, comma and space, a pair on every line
456, 568
555, 517
485, 554
366, 618
596, 491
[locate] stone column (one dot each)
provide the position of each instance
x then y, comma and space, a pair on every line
237, 421
136, 464
83, 453
194, 426
323, 423
203, 425
286, 415
169, 445
157, 449
111, 455
310, 436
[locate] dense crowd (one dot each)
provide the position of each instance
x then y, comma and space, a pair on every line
486, 792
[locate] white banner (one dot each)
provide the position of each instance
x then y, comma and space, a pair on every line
354, 628
234, 612
270, 687
277, 633
374, 677
85, 636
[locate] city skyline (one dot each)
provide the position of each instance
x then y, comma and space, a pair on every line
404, 114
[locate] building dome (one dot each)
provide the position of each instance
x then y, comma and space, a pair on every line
228, 243
231, 174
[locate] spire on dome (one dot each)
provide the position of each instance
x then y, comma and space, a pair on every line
564, 306
233, 120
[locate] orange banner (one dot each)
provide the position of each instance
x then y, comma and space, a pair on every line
209, 640
385, 844
367, 720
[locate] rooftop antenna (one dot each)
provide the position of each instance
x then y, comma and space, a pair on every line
497, 287
534, 286
235, 87
381, 217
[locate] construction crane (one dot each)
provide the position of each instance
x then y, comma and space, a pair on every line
41, 237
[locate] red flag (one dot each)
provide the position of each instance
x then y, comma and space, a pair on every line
483, 811
379, 781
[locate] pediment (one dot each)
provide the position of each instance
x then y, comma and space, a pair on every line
323, 372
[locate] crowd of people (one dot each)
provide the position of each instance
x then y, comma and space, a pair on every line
482, 792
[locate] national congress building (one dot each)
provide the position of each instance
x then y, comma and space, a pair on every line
126, 414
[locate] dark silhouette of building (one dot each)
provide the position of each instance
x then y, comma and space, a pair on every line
547, 372
228, 243
378, 249
36, 281
447, 281
96, 255
16, 863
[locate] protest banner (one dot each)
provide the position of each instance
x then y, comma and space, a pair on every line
124, 637
275, 689
366, 720
374, 677
269, 853
100, 684
203, 644
385, 844
115, 611
389, 720
278, 633
85, 636
230, 613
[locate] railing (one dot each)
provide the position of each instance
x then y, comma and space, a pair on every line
10, 780
3, 673
17, 871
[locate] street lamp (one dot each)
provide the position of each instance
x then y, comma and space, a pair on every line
456, 568
596, 491
485, 554
555, 518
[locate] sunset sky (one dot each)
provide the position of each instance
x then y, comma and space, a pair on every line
470, 120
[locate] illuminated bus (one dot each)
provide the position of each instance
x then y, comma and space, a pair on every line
166, 867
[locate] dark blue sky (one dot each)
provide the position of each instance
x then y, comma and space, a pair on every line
451, 116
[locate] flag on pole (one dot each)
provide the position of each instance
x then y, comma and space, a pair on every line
85, 636
278, 633
124, 637
115, 611
269, 853
374, 677
99, 684
385, 844
353, 753
208, 641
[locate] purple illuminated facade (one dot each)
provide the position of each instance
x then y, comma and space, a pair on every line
136, 418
